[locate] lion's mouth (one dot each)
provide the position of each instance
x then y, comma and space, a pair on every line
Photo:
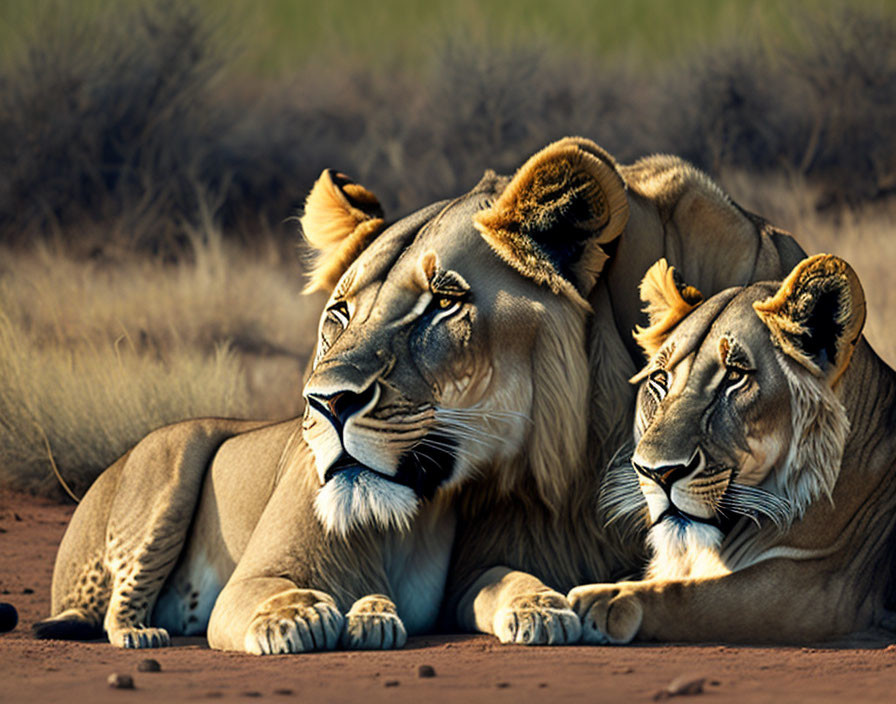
423, 468
350, 466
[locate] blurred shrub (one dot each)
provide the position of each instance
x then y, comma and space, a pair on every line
132, 121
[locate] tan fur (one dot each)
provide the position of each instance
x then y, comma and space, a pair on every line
668, 301
785, 315
826, 571
570, 174
340, 220
211, 504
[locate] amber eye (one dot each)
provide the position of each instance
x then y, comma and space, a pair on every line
445, 302
734, 375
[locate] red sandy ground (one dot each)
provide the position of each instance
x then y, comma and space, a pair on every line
468, 668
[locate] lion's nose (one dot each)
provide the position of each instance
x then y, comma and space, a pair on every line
666, 475
342, 405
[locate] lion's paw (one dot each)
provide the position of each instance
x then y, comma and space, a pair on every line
140, 638
538, 619
295, 629
609, 614
373, 624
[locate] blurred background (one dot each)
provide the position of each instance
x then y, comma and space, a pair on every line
154, 154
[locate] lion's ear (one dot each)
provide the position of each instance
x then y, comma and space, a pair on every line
668, 299
551, 219
817, 315
341, 218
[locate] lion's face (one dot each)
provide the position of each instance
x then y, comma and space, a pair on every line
713, 419
736, 412
453, 340
421, 369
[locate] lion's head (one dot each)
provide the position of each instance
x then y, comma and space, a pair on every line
737, 413
453, 340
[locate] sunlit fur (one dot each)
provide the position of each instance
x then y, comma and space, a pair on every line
339, 220
820, 429
685, 551
351, 501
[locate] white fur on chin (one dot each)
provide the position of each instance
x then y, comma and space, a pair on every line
354, 499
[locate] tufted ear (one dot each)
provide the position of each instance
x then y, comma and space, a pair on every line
817, 315
551, 219
668, 299
341, 218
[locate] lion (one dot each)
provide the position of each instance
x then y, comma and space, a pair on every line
765, 453
469, 381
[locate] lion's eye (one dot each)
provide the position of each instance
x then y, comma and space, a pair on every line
445, 305
735, 378
658, 383
339, 312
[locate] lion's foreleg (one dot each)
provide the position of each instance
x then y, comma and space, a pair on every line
518, 608
269, 615
776, 601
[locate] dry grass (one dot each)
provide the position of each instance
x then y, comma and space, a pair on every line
864, 237
94, 355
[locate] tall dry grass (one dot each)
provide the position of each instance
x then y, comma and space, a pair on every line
95, 354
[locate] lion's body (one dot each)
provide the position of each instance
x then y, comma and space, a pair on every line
472, 366
767, 458
213, 483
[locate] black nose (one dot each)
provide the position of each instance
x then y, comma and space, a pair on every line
666, 475
342, 405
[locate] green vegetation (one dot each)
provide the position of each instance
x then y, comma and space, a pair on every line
275, 38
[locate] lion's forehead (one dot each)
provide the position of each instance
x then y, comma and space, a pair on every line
724, 320
445, 228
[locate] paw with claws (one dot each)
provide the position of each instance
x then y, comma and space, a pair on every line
610, 613
299, 621
538, 619
139, 637
373, 624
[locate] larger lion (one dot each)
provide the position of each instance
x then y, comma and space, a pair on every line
468, 385
767, 438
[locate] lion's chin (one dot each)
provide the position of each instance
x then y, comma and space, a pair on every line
359, 498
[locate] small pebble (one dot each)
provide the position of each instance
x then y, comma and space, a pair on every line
502, 685
17, 516
117, 681
285, 692
27, 590
890, 648
391, 683
149, 665
251, 693
426, 671
9, 617
682, 686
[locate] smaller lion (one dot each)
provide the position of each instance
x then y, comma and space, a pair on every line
765, 442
